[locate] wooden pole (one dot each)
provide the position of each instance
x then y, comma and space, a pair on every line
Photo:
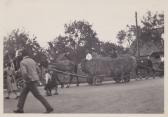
137, 35
68, 73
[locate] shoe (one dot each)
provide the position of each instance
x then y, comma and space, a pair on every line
49, 110
18, 111
55, 93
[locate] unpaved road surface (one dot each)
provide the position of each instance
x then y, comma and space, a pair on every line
143, 96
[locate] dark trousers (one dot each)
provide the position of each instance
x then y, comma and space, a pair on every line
48, 89
32, 87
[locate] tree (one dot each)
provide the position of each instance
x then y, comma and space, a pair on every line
153, 27
151, 31
80, 33
131, 34
107, 48
79, 37
57, 46
121, 36
19, 39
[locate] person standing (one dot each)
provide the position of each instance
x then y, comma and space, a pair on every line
47, 83
30, 75
11, 82
88, 56
54, 82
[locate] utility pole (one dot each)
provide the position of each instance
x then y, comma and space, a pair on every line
137, 35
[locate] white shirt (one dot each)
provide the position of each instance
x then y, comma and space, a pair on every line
47, 77
88, 56
162, 59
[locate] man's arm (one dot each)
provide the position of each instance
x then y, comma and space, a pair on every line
38, 69
23, 70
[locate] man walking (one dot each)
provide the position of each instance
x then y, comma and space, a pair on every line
30, 75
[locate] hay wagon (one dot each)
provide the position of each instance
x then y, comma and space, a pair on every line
119, 69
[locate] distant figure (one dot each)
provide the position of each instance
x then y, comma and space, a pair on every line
30, 75
18, 58
88, 57
91, 54
54, 82
11, 82
47, 83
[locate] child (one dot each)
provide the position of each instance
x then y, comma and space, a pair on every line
47, 82
53, 83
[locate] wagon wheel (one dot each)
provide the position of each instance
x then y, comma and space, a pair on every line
141, 73
126, 79
90, 79
20, 83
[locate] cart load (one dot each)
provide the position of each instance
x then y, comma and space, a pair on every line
119, 68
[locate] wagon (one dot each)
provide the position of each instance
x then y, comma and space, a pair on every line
119, 69
144, 67
150, 65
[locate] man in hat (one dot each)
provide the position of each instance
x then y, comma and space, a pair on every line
30, 75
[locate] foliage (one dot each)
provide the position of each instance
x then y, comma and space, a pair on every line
19, 39
121, 36
79, 37
151, 30
153, 27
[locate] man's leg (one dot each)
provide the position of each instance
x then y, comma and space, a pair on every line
47, 90
56, 90
76, 72
22, 99
77, 78
50, 91
70, 81
15, 92
36, 93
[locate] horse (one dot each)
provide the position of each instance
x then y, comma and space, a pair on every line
62, 63
65, 66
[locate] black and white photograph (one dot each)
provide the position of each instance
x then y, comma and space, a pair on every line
83, 57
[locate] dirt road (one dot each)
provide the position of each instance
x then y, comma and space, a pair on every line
143, 96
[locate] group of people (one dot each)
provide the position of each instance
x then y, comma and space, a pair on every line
9, 74
29, 73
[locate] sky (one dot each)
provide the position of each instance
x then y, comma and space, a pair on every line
46, 18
